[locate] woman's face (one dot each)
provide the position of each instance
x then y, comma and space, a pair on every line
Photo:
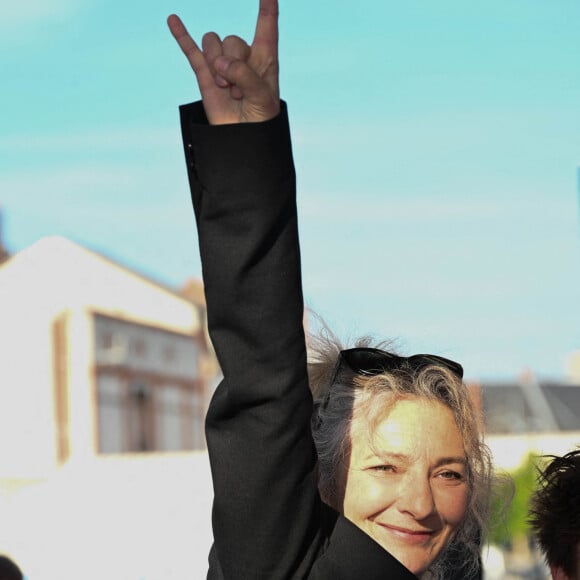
406, 484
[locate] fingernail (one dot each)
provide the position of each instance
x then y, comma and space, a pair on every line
221, 82
222, 64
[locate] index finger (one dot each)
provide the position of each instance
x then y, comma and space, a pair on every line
192, 52
266, 35
186, 43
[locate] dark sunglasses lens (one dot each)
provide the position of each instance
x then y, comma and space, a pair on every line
368, 361
427, 359
372, 361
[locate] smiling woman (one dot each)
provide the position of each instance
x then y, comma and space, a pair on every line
400, 453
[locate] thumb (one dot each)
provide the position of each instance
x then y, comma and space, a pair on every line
255, 91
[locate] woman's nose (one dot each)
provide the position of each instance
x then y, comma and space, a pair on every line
416, 497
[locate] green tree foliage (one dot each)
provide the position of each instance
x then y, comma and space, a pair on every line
510, 518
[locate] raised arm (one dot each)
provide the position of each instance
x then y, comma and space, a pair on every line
266, 511
238, 82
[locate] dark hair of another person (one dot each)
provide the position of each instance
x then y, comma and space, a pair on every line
555, 512
9, 570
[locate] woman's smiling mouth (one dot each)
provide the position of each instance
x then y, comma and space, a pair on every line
409, 535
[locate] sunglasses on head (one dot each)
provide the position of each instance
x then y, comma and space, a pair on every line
374, 361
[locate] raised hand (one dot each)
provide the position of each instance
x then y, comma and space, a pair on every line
238, 83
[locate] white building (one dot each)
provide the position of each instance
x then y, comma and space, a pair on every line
94, 359
105, 377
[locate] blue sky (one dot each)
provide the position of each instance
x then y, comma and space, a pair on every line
436, 143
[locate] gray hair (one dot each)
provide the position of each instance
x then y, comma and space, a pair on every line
332, 419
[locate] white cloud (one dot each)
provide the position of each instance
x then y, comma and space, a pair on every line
107, 139
135, 170
371, 208
124, 177
31, 12
91, 190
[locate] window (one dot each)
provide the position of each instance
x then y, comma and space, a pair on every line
135, 415
169, 420
150, 395
111, 415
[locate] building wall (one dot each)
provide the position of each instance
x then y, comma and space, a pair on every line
510, 451
27, 445
53, 289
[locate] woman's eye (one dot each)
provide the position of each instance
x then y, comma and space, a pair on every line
385, 468
451, 475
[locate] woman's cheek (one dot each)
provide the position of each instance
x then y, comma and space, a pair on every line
452, 504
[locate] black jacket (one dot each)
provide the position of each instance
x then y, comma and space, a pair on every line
268, 520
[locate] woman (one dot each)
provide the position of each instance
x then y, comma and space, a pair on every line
401, 468
401, 430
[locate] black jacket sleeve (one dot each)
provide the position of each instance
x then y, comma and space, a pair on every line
261, 451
